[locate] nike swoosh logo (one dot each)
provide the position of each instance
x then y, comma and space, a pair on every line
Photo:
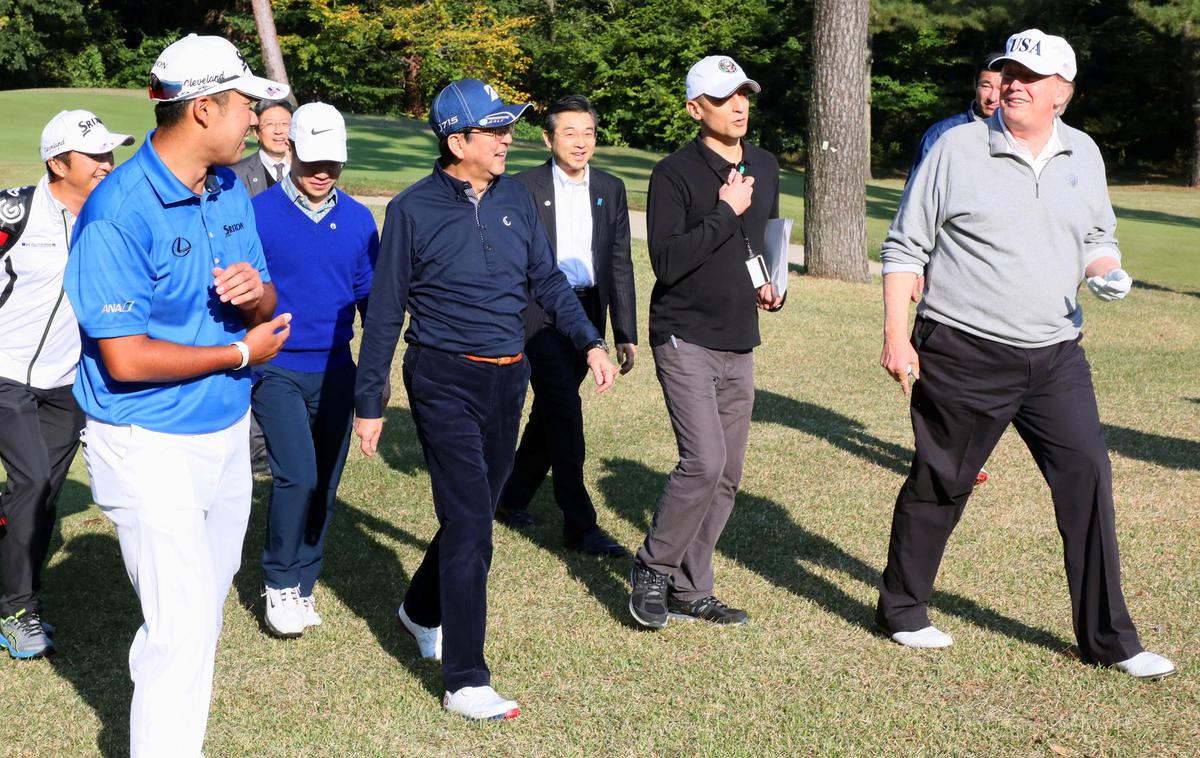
322, 131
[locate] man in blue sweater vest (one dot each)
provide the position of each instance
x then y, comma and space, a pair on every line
320, 247
463, 250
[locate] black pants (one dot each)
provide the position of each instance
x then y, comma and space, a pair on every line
467, 415
969, 391
553, 437
39, 433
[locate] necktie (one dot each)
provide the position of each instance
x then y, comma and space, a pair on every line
279, 172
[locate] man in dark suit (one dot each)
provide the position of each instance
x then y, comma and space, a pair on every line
587, 219
263, 169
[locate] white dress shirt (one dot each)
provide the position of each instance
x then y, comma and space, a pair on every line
573, 227
1052, 147
269, 163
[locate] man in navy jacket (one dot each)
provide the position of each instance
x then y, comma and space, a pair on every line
586, 217
462, 252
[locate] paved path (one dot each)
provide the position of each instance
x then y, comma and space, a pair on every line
637, 230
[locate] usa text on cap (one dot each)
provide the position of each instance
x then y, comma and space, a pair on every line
81, 131
1039, 52
470, 102
195, 66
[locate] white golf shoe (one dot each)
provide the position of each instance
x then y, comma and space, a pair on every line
928, 638
480, 703
285, 612
1147, 665
429, 638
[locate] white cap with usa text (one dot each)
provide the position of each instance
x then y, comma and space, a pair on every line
1039, 52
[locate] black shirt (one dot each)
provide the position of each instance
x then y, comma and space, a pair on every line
702, 290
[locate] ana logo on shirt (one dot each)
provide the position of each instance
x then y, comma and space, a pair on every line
124, 307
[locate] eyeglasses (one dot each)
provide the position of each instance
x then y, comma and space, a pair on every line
272, 125
497, 133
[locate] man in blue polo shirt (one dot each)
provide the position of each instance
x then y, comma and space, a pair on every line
460, 251
168, 282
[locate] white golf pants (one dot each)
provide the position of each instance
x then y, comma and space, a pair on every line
180, 504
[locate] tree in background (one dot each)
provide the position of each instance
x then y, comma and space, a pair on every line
264, 20
835, 203
1181, 19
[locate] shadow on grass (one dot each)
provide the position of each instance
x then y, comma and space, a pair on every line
840, 431
97, 614
762, 536
882, 202
1171, 452
1156, 217
360, 568
1143, 285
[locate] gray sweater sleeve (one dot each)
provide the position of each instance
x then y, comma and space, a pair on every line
911, 236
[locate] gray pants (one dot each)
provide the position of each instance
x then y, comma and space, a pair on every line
709, 396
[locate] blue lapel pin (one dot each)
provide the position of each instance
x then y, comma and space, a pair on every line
599, 201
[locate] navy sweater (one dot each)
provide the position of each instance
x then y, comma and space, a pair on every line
321, 271
460, 270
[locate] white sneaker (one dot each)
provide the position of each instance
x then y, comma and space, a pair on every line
1147, 665
285, 612
481, 703
309, 605
927, 639
429, 639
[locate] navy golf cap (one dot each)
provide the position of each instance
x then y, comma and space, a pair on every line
470, 102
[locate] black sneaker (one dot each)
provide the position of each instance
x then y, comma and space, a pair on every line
515, 518
706, 609
647, 601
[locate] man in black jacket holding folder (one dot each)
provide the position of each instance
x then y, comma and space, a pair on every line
707, 214
586, 217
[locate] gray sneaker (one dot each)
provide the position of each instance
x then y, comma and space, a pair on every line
23, 636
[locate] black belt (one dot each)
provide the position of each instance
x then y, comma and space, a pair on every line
584, 291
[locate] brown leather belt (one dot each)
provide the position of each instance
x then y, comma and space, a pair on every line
500, 360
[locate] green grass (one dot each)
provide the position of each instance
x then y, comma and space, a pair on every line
829, 445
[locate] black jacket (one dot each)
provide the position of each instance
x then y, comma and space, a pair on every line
610, 248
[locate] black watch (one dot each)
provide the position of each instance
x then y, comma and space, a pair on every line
600, 343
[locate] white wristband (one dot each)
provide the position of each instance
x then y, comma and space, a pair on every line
245, 351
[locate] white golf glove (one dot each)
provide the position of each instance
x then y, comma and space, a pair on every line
1112, 286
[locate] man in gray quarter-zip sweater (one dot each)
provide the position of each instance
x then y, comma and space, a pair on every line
39, 347
1006, 218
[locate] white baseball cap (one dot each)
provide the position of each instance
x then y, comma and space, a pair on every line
717, 76
195, 66
81, 131
319, 133
1039, 52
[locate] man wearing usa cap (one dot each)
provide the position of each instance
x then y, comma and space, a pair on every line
168, 281
460, 251
707, 212
1008, 216
320, 246
39, 347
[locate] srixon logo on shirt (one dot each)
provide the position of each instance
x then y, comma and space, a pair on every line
1024, 45
231, 228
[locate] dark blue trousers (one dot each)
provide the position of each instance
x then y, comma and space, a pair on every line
467, 415
305, 418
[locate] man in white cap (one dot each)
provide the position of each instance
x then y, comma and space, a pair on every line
320, 246
707, 213
1008, 216
174, 303
39, 347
